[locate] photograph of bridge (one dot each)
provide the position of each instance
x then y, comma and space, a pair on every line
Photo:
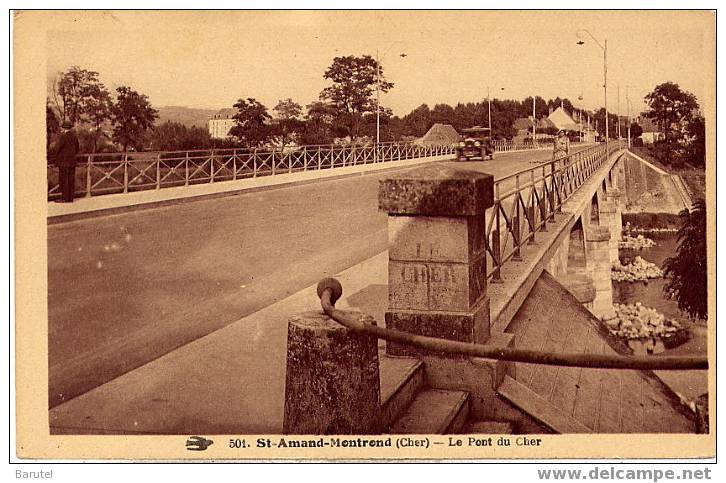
269, 223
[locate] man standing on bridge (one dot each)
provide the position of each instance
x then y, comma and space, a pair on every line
64, 154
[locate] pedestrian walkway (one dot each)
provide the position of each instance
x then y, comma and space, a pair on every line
121, 202
115, 203
230, 381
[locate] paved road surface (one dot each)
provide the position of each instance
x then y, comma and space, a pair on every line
128, 288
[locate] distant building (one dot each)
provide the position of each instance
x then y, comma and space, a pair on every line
651, 132
563, 121
523, 126
438, 135
221, 123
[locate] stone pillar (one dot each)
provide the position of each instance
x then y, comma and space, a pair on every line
437, 256
611, 218
597, 253
558, 264
332, 383
437, 276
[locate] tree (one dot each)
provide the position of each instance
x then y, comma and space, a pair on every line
687, 271
354, 81
132, 116
697, 141
175, 136
671, 109
541, 108
73, 90
97, 109
287, 121
504, 113
252, 122
599, 116
319, 125
635, 130
418, 121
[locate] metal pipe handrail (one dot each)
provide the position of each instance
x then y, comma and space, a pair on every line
567, 161
329, 290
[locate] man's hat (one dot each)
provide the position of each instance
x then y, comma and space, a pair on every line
67, 125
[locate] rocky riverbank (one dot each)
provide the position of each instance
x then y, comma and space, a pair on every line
636, 242
636, 271
646, 329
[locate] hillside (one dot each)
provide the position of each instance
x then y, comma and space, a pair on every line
186, 115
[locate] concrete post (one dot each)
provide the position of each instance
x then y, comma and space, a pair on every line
332, 383
437, 274
597, 250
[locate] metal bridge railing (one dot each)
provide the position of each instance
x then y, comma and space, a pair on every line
108, 173
329, 290
525, 201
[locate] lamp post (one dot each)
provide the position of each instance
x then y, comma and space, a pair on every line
605, 74
627, 101
618, 113
534, 120
378, 96
489, 101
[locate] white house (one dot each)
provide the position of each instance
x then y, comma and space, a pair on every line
564, 121
221, 123
651, 132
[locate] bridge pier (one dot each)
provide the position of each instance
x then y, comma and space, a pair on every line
597, 249
610, 217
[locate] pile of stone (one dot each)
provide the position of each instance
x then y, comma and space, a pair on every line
635, 321
628, 228
637, 271
636, 243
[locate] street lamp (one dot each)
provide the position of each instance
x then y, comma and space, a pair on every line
627, 101
378, 96
605, 73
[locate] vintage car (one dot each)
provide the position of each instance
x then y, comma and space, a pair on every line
476, 144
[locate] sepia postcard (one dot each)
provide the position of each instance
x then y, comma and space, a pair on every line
364, 235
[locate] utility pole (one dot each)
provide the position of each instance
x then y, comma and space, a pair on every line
627, 100
489, 101
605, 76
378, 99
588, 127
607, 121
618, 112
534, 120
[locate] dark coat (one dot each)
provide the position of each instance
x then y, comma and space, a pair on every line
66, 149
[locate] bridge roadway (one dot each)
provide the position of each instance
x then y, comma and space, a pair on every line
125, 289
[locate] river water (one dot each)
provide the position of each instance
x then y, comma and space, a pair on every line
688, 384
651, 293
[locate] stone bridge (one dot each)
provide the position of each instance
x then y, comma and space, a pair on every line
521, 262
451, 277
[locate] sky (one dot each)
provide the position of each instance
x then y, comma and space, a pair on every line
211, 59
